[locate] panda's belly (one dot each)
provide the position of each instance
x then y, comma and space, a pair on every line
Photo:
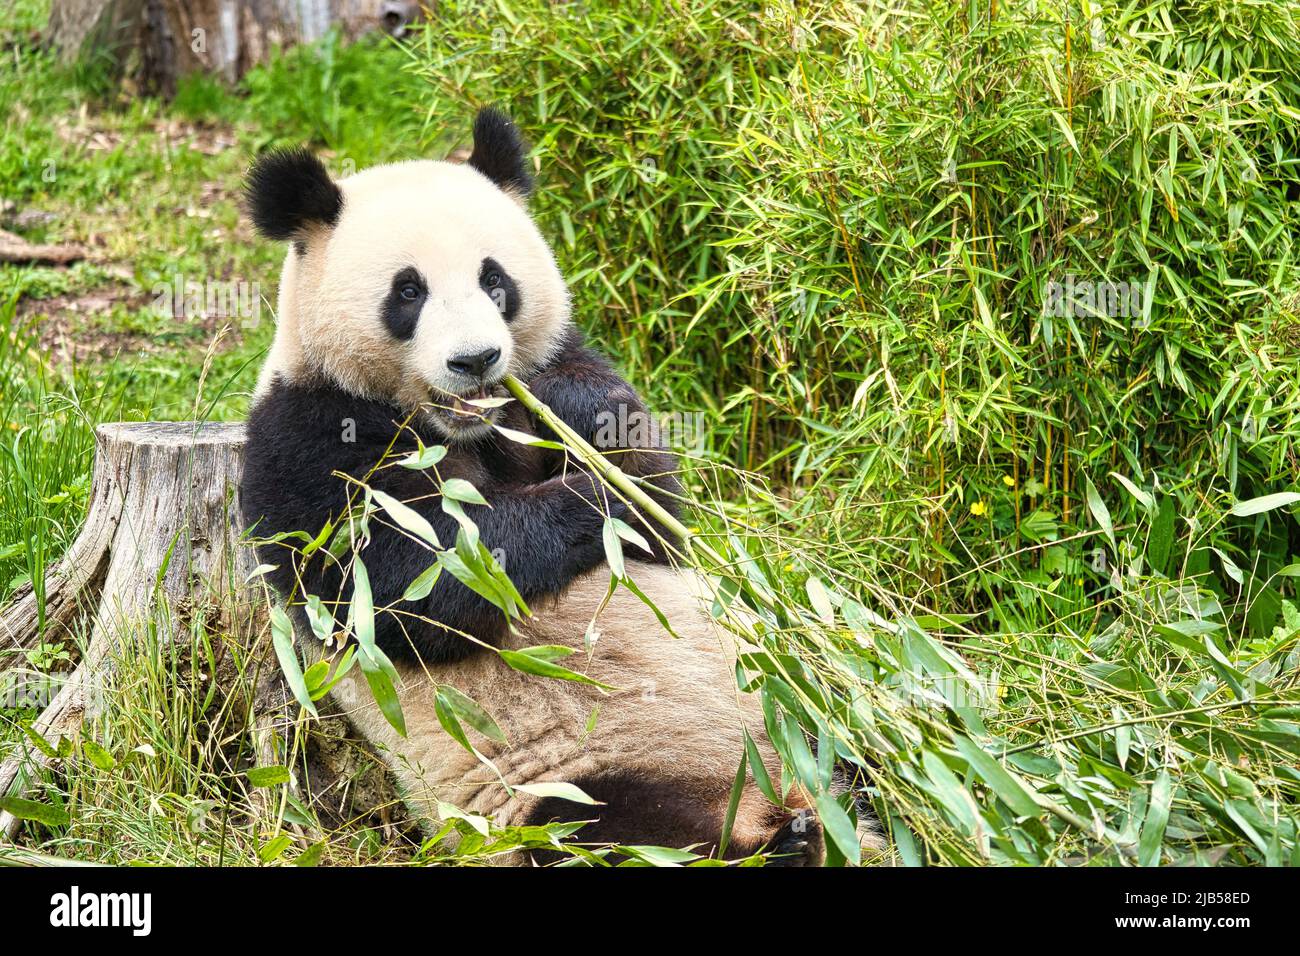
673, 723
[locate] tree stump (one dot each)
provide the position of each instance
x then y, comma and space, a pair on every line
161, 538
170, 38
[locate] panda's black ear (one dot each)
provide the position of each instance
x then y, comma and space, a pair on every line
289, 189
500, 152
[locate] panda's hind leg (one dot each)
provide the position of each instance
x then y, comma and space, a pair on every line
798, 843
640, 812
633, 812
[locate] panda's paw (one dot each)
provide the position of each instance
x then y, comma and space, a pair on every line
798, 842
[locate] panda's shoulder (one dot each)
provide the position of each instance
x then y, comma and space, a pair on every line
572, 355
298, 416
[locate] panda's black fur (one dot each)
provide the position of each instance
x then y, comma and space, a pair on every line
544, 515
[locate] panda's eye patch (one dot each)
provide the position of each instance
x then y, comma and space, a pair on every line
404, 302
501, 289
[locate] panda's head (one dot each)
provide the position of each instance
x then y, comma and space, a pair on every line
421, 283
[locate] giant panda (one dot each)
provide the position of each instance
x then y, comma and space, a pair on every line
407, 291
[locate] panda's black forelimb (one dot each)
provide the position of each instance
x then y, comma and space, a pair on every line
544, 532
543, 536
582, 388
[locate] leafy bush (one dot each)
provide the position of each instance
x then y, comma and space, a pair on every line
837, 236
1004, 302
1001, 302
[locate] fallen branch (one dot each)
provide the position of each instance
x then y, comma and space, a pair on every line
14, 248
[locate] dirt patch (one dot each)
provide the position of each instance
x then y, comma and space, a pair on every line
66, 330
206, 138
84, 129
77, 327
350, 787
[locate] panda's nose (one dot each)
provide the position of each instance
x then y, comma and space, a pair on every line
474, 364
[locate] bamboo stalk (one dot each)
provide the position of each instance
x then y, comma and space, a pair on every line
610, 472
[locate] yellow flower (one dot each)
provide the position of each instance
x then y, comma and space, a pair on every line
1008, 481
979, 508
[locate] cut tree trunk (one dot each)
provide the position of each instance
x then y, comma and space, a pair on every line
161, 544
160, 540
159, 41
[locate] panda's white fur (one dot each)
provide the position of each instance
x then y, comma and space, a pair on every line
674, 724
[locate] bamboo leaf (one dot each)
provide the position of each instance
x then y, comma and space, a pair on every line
406, 517
839, 827
424, 458
42, 813
1100, 513
1010, 790
282, 641
458, 489
381, 683
423, 584
1144, 499
529, 664
1162, 536
470, 712
97, 755
1255, 506
613, 549
267, 776
1153, 828
561, 791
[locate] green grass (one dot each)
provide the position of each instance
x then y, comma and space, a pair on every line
153, 189
1014, 580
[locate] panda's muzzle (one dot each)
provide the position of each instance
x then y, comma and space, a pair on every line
459, 398
474, 364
